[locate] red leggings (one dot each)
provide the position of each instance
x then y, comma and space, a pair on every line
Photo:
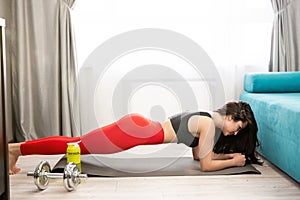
129, 131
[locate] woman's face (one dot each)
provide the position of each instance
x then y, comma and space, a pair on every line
232, 127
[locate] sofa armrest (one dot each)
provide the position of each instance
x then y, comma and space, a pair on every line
272, 82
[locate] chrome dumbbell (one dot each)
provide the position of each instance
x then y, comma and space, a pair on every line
71, 176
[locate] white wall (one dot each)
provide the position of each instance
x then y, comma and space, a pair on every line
235, 34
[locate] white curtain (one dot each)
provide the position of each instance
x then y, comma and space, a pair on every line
43, 68
285, 49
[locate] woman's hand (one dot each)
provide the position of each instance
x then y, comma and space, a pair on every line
239, 159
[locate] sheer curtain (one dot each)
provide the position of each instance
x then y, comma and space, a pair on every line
43, 68
285, 49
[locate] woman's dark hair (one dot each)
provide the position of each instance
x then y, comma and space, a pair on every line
246, 140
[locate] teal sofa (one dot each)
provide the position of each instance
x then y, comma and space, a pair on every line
275, 100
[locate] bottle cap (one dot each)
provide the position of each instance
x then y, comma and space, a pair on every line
75, 144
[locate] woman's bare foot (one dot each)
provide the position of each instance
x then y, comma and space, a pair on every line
14, 153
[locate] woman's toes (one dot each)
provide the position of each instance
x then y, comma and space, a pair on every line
16, 170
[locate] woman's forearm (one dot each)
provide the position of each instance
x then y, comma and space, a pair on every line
215, 165
209, 164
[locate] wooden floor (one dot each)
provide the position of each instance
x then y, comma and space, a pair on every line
271, 184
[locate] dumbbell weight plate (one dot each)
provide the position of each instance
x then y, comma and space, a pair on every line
40, 175
71, 176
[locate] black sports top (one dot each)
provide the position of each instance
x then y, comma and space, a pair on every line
180, 126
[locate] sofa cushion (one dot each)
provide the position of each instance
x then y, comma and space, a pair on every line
272, 82
278, 119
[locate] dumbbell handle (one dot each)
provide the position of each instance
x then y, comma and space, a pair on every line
57, 175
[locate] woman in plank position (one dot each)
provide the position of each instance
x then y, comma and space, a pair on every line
234, 146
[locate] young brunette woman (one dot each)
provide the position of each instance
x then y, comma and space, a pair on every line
223, 138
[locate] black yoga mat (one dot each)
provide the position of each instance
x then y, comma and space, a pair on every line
101, 166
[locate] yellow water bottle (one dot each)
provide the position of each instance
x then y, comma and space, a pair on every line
73, 154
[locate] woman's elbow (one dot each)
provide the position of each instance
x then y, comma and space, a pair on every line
204, 167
